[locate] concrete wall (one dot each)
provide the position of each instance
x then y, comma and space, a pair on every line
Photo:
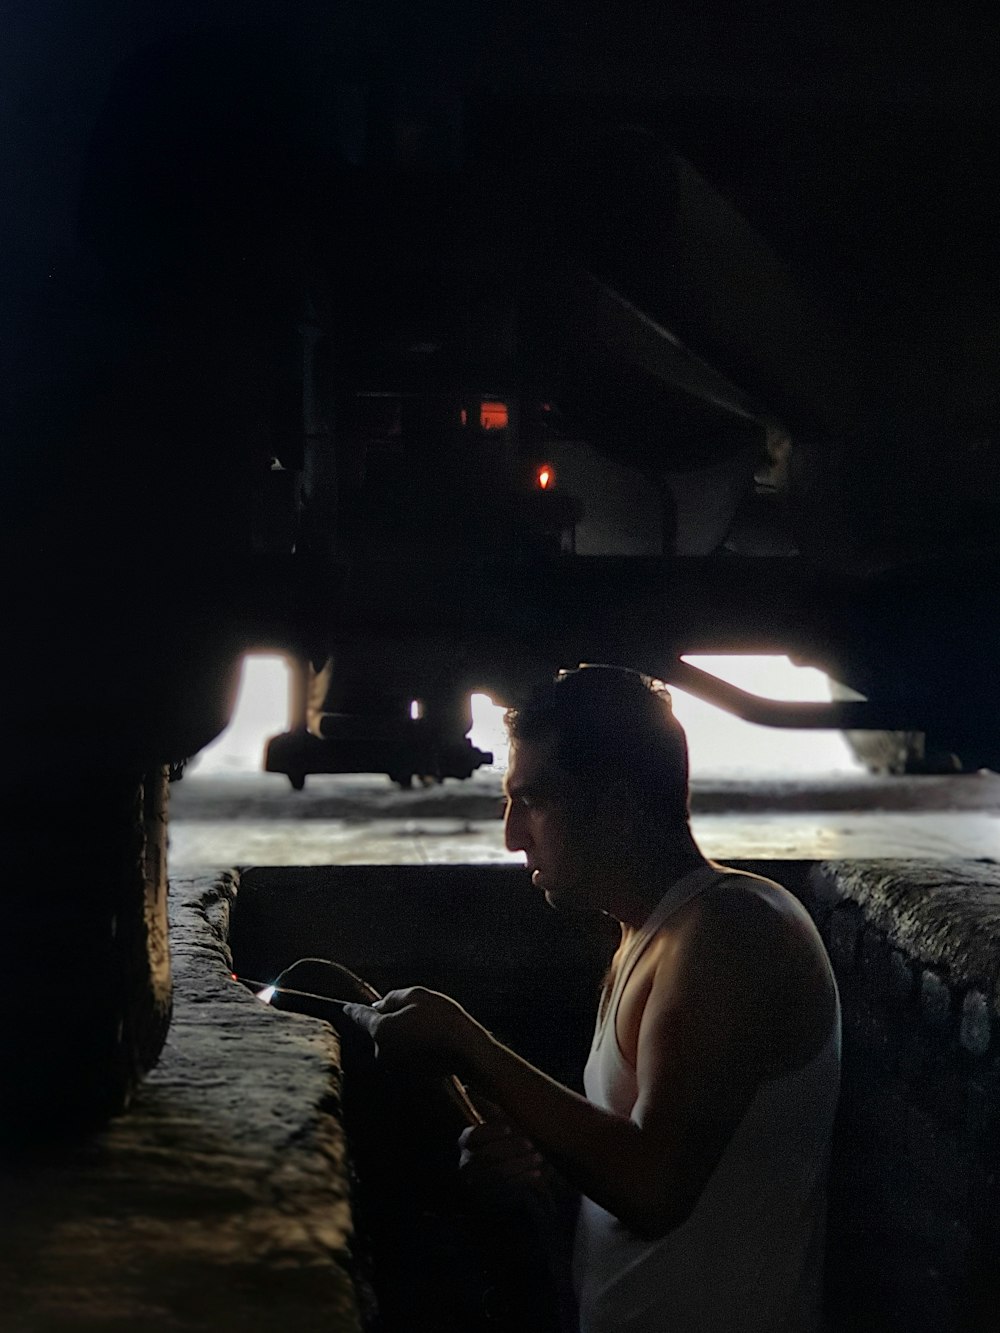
477, 932
915, 1204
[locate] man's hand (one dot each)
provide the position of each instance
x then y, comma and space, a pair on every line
498, 1161
417, 1028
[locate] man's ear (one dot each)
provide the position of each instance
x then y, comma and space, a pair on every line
620, 806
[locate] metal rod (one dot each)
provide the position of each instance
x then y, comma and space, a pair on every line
849, 715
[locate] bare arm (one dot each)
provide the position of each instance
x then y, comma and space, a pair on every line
701, 1053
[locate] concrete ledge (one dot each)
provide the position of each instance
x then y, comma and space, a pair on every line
944, 916
913, 1236
220, 1200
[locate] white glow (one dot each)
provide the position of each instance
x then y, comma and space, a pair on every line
416, 710
720, 744
488, 731
267, 994
261, 712
725, 746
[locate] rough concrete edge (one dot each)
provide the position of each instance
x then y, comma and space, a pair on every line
944, 918
215, 906
200, 922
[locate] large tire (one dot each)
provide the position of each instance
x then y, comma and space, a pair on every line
85, 957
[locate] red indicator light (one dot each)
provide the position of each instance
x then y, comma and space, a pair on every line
463, 416
545, 477
493, 416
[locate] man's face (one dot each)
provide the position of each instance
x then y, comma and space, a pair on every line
556, 825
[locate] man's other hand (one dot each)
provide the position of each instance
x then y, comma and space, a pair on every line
416, 1029
497, 1161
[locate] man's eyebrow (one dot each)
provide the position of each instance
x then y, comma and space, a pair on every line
523, 789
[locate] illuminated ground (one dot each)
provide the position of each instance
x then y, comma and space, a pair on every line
249, 819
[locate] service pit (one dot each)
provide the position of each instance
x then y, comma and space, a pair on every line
223, 1198
914, 1229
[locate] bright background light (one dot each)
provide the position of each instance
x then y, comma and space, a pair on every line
261, 712
488, 731
721, 745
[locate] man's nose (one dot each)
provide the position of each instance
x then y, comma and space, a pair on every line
513, 831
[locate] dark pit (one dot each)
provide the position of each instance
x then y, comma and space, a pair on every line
914, 1195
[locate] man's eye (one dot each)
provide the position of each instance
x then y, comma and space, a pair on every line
524, 802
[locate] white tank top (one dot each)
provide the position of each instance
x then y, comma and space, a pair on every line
749, 1259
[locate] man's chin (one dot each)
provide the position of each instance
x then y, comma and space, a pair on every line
552, 895
564, 900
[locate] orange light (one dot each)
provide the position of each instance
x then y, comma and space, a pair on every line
546, 477
493, 416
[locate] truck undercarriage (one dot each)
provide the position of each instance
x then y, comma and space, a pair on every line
441, 353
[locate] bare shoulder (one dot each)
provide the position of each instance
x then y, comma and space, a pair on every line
747, 913
754, 944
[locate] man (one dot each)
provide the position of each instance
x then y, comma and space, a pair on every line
700, 1149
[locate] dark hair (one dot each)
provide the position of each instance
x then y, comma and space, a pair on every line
611, 723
